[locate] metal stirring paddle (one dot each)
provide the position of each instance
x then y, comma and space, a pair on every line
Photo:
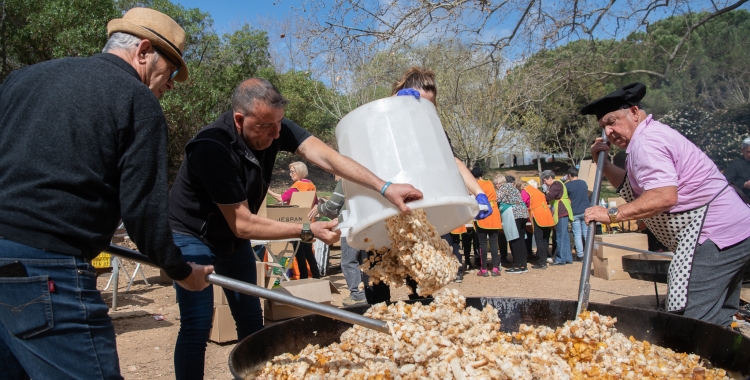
257, 291
584, 287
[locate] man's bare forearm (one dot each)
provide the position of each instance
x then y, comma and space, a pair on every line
247, 225
651, 203
614, 174
331, 161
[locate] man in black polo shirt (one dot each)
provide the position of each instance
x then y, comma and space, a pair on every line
222, 183
83, 143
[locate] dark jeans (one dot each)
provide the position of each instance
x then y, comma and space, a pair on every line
470, 242
492, 236
455, 243
541, 236
305, 256
518, 246
502, 244
196, 308
60, 334
529, 237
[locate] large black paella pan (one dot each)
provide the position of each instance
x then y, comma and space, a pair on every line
721, 347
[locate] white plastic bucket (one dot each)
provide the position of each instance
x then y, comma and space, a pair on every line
401, 140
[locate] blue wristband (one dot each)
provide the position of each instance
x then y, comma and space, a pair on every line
385, 187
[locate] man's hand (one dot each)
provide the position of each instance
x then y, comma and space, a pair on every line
197, 279
482, 200
597, 213
324, 231
313, 213
399, 194
747, 184
598, 146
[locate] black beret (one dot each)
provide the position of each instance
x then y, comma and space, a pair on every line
625, 97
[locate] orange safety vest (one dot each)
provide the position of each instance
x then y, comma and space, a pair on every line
538, 208
459, 230
491, 222
304, 186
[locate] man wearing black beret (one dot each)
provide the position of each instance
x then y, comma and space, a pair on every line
684, 200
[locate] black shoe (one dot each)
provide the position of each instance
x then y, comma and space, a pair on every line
517, 270
459, 279
539, 266
577, 258
556, 263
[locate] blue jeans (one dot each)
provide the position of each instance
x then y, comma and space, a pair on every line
196, 308
580, 231
564, 255
351, 258
60, 334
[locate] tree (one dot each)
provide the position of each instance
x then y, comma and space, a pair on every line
35, 31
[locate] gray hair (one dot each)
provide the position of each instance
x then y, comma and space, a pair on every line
127, 42
547, 174
121, 41
246, 94
746, 143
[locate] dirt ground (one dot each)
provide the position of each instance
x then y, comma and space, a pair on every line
146, 345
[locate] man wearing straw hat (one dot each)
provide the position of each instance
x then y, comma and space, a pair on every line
84, 144
685, 201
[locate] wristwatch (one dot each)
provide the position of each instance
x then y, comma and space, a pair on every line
306, 236
613, 214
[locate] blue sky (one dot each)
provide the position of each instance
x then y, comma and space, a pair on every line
228, 14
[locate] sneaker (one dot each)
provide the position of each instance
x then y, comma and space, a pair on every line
495, 272
348, 301
556, 263
516, 270
539, 266
549, 260
459, 279
483, 273
577, 258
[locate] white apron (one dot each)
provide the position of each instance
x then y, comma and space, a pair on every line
679, 232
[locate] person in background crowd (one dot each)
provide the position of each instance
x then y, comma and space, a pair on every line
470, 245
84, 144
561, 210
687, 203
351, 258
541, 220
578, 191
221, 185
738, 171
528, 230
455, 241
305, 256
488, 228
509, 196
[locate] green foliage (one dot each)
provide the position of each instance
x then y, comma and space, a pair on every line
719, 135
34, 31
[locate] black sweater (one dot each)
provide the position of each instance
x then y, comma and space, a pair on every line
84, 144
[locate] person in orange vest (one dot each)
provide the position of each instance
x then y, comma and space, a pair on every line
488, 228
541, 220
561, 213
305, 256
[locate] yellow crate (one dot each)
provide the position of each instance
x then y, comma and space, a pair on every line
102, 261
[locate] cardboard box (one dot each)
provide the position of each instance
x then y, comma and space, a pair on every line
303, 199
223, 327
632, 240
220, 298
164, 277
587, 172
312, 289
288, 214
609, 269
615, 202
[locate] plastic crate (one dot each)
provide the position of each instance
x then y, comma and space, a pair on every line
102, 261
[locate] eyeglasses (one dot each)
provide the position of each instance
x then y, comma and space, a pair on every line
291, 171
176, 64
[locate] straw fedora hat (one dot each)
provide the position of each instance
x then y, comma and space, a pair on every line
159, 29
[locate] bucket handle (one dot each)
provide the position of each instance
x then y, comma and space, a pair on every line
347, 222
